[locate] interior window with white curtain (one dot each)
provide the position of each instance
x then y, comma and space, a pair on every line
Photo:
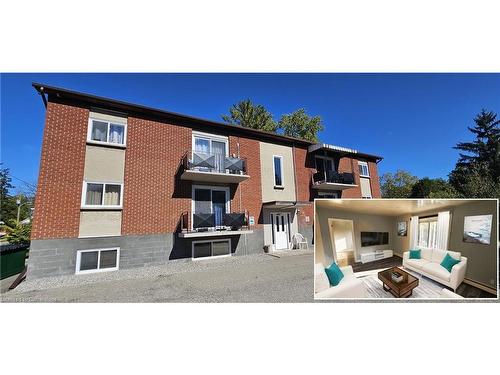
94, 194
112, 195
102, 194
99, 131
106, 132
427, 232
202, 145
116, 133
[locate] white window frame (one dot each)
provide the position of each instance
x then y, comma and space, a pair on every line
364, 164
213, 187
89, 132
282, 172
101, 206
428, 221
78, 260
211, 256
209, 137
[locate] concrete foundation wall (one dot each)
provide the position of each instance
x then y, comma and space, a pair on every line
58, 257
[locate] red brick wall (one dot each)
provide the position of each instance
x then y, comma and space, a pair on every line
251, 190
154, 197
347, 164
58, 199
374, 180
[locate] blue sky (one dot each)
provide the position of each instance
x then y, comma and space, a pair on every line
412, 120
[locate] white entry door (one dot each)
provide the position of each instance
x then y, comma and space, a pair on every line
281, 228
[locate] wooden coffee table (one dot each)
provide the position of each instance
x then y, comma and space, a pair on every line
399, 290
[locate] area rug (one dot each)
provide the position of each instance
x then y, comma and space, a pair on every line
426, 288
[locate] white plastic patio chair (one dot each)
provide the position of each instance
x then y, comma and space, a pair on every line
298, 241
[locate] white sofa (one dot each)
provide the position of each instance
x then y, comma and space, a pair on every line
349, 286
429, 265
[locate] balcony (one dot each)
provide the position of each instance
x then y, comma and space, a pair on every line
331, 180
210, 167
214, 225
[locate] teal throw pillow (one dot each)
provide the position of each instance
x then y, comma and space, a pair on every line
414, 254
334, 274
448, 262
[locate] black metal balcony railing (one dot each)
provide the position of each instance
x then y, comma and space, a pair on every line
213, 222
215, 163
333, 177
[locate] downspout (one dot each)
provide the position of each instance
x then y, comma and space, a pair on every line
295, 174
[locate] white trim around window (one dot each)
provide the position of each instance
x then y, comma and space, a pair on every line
280, 157
228, 240
108, 131
101, 205
209, 137
364, 171
98, 267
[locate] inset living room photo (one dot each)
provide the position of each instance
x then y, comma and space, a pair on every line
406, 249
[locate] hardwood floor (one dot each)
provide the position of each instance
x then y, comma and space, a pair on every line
465, 290
378, 264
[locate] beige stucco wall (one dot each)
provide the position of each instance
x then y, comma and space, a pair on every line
104, 164
106, 117
269, 192
100, 223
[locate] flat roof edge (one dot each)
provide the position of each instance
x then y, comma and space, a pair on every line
122, 106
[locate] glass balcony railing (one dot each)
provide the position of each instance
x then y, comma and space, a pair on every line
215, 163
200, 222
333, 177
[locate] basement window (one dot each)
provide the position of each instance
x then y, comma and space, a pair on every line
102, 195
106, 132
97, 260
210, 249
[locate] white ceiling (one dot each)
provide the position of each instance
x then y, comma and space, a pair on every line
390, 207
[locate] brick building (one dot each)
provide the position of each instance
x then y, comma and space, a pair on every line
123, 185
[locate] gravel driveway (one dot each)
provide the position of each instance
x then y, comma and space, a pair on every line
258, 278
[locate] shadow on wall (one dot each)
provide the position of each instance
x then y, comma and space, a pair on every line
182, 188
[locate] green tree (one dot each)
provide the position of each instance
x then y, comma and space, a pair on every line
250, 115
397, 185
477, 171
18, 234
300, 125
433, 188
7, 204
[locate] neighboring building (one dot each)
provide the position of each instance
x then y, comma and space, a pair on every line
123, 185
